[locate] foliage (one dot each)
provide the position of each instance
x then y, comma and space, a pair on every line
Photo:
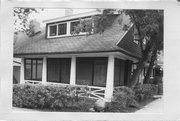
145, 91
160, 89
123, 98
97, 23
22, 19
149, 25
49, 97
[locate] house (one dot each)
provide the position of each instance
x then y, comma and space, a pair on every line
16, 70
102, 61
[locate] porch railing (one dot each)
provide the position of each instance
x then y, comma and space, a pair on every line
93, 92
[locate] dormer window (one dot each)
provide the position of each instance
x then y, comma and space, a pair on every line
53, 30
62, 28
73, 25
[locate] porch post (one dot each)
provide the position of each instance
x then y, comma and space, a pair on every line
22, 72
44, 70
73, 71
110, 78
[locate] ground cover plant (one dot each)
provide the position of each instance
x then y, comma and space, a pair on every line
68, 99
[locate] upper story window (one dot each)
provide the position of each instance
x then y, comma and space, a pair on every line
62, 28
73, 26
66, 29
53, 30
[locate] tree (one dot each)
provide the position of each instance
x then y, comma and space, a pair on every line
149, 25
22, 19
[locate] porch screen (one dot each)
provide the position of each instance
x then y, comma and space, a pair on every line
119, 71
91, 71
58, 70
84, 71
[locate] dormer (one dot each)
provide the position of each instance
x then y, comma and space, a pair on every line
64, 26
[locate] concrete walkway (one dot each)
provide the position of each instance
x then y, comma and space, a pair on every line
153, 107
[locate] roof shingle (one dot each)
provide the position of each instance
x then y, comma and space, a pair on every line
75, 44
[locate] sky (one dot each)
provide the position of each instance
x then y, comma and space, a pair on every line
54, 13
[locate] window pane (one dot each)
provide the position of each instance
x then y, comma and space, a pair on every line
62, 29
52, 30
27, 69
84, 69
39, 69
65, 70
73, 25
100, 71
53, 70
33, 69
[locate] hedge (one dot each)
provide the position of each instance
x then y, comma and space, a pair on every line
52, 97
123, 97
145, 91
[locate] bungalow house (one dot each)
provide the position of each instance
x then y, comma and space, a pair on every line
101, 61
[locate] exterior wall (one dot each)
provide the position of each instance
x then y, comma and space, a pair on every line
16, 74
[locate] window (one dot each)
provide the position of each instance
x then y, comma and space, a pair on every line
33, 69
119, 72
58, 70
91, 71
73, 25
62, 29
53, 30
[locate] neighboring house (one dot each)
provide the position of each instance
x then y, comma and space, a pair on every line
16, 70
101, 61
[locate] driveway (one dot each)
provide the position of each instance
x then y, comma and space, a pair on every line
153, 107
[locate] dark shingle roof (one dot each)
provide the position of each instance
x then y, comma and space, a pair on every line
104, 42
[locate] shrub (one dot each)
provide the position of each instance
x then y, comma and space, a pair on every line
51, 97
123, 97
160, 89
145, 91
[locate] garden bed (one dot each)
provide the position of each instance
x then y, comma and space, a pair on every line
65, 99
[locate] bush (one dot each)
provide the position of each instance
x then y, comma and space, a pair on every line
123, 97
48, 97
160, 89
145, 91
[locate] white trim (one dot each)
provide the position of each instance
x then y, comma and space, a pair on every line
73, 71
48, 31
22, 71
100, 54
110, 78
44, 70
68, 29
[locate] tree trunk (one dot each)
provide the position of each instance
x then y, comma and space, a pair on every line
136, 73
150, 68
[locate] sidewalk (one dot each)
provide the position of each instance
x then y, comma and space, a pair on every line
154, 107
24, 109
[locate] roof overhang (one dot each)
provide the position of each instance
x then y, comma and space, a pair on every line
119, 54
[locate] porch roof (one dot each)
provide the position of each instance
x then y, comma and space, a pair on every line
105, 42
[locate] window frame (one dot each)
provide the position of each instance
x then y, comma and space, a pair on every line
57, 29
31, 66
68, 29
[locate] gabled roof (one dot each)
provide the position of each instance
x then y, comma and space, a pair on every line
105, 42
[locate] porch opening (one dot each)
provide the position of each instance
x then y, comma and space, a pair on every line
58, 70
91, 71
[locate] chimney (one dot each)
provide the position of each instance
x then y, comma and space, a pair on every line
68, 12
